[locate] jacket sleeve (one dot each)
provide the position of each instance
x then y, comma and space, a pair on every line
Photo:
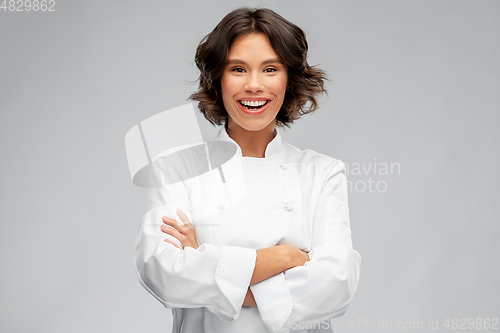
325, 285
215, 277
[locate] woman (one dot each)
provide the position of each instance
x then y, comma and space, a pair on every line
280, 259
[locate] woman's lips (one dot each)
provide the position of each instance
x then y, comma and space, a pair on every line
254, 111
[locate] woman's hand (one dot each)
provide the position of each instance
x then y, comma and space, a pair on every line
184, 233
276, 259
296, 257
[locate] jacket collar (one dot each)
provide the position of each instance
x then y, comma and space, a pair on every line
274, 148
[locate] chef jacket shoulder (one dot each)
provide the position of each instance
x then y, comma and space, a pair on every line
317, 162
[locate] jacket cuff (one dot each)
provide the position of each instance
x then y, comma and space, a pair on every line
233, 274
274, 301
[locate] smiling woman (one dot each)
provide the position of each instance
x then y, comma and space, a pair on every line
286, 45
281, 257
253, 85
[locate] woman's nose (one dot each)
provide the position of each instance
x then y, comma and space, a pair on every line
254, 83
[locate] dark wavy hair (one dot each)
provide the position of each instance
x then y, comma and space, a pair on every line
288, 41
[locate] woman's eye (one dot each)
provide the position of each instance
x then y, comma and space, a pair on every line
270, 70
238, 69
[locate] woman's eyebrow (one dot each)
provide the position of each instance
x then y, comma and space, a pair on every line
266, 62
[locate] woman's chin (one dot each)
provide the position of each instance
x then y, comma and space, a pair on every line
253, 125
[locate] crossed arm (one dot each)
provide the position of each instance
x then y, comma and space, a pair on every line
287, 284
270, 261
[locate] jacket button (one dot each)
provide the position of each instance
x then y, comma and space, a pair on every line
284, 166
288, 207
221, 206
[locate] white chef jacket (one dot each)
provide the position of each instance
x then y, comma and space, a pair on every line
292, 196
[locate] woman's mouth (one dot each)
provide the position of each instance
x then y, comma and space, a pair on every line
253, 107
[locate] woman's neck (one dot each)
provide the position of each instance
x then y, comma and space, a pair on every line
252, 143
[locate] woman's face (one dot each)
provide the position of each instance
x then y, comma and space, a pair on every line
254, 83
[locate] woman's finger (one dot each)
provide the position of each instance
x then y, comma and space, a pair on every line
171, 222
166, 240
188, 229
183, 217
175, 224
172, 232
184, 240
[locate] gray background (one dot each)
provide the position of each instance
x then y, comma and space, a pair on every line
412, 82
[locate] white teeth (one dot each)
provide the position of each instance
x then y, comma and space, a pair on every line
253, 103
